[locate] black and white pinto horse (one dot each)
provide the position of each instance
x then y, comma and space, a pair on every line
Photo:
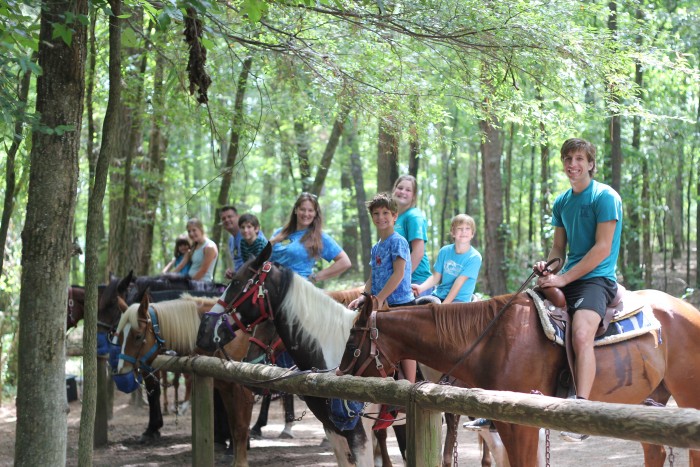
313, 327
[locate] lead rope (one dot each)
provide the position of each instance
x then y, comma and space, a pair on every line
546, 447
671, 456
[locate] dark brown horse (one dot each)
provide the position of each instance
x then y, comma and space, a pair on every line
627, 372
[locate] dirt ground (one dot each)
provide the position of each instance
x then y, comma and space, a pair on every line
174, 448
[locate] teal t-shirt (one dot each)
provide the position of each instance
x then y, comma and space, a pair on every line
580, 215
452, 265
413, 225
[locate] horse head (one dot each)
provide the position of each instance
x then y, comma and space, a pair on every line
75, 306
245, 303
363, 355
111, 301
139, 334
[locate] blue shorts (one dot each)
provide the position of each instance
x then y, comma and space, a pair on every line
590, 294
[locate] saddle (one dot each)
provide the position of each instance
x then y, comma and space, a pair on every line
553, 310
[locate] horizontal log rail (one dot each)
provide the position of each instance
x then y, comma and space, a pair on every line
657, 425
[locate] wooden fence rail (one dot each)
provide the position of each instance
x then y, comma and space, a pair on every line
658, 425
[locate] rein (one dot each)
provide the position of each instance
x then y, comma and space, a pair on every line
492, 323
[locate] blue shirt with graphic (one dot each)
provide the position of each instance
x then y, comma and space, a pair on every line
234, 247
292, 253
384, 253
579, 214
452, 265
412, 225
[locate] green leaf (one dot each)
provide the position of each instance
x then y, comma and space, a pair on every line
62, 31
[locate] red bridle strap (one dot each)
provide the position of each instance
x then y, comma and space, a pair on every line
375, 351
255, 288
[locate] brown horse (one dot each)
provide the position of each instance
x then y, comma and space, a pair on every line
147, 329
627, 372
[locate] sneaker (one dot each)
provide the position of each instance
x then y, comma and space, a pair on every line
478, 424
573, 437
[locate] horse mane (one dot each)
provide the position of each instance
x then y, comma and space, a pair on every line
346, 296
209, 301
321, 320
459, 324
178, 321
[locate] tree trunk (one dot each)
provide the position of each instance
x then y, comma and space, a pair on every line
387, 154
329, 152
350, 236
360, 196
494, 256
414, 141
47, 241
89, 425
676, 196
10, 177
236, 130
545, 194
302, 141
508, 170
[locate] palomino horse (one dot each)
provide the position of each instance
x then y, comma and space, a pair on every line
147, 329
311, 324
627, 372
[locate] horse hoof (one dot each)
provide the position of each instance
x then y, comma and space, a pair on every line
255, 433
148, 437
286, 435
184, 407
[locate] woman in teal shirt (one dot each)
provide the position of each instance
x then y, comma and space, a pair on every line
413, 226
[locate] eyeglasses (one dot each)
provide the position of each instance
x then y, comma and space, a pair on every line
307, 194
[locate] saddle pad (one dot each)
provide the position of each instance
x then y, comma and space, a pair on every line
618, 331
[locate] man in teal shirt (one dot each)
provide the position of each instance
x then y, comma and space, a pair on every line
588, 220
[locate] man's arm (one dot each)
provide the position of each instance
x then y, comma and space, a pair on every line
604, 234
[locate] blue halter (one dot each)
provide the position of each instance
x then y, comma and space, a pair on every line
142, 362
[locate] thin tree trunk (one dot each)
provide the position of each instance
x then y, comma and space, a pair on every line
236, 130
676, 194
531, 204
90, 432
349, 220
508, 185
360, 196
414, 141
302, 141
387, 154
647, 250
329, 152
545, 193
47, 242
10, 176
494, 257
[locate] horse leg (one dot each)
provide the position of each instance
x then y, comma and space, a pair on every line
238, 402
176, 389
222, 428
400, 433
256, 431
383, 453
188, 393
521, 443
163, 375
288, 402
155, 416
451, 422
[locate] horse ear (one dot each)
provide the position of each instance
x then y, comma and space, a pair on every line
124, 283
262, 257
143, 307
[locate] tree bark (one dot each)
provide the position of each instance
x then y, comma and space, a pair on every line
494, 256
414, 142
329, 152
47, 240
232, 154
360, 196
387, 153
302, 142
93, 431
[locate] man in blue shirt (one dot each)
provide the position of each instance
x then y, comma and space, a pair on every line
588, 220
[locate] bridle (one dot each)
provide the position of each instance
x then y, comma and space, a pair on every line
270, 351
72, 322
376, 353
141, 361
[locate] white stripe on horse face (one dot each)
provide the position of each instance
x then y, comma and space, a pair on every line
125, 333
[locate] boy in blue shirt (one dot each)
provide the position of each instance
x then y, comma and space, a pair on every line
390, 275
457, 265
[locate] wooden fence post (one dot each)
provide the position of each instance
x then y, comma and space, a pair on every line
423, 436
202, 421
102, 409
